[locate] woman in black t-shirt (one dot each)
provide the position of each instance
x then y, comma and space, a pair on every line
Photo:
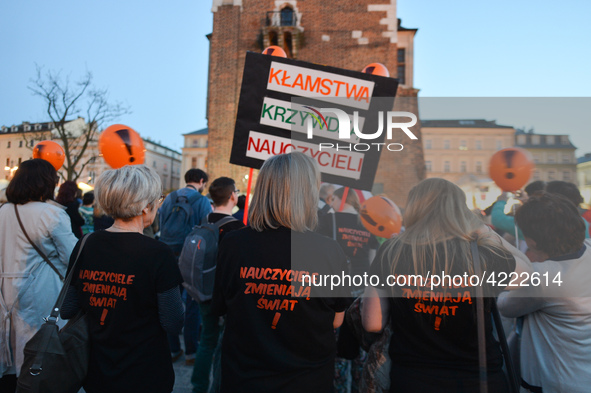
127, 284
279, 332
434, 344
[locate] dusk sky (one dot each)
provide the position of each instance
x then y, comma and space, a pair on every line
153, 56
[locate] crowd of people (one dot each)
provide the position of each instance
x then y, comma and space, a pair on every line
262, 318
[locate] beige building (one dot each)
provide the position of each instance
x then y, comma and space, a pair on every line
194, 152
584, 177
460, 151
17, 142
554, 156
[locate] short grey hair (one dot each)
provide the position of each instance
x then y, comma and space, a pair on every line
123, 193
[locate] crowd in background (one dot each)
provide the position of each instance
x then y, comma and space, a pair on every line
259, 328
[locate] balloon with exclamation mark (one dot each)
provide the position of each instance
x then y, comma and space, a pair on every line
50, 151
120, 145
511, 168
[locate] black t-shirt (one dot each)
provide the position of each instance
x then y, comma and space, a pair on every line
278, 336
435, 330
354, 239
118, 277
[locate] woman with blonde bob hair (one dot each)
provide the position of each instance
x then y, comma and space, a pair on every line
279, 334
127, 284
434, 344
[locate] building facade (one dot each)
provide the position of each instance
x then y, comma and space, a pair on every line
584, 177
347, 35
460, 151
17, 143
194, 151
553, 155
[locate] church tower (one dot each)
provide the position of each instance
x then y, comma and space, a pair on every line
342, 34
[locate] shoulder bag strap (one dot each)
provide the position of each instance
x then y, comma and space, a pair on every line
18, 217
480, 320
513, 384
60, 299
334, 226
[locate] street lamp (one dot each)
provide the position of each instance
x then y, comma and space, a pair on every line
11, 170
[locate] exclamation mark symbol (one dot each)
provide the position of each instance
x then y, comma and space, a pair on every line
370, 220
437, 322
275, 320
124, 135
105, 311
270, 52
369, 70
39, 149
508, 154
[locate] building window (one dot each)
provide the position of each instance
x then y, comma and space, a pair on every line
8, 162
463, 166
446, 166
195, 142
21, 160
478, 167
32, 143
20, 143
153, 164
193, 162
463, 145
165, 166
428, 166
551, 158
287, 18
521, 139
446, 144
499, 145
37, 127
565, 158
401, 68
478, 145
427, 143
14, 128
566, 176
536, 175
537, 158
564, 139
535, 139
551, 175
550, 140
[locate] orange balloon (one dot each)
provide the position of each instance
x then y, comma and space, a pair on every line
274, 50
381, 216
376, 69
511, 168
50, 151
120, 145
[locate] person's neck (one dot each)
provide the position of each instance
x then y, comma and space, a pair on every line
227, 209
134, 225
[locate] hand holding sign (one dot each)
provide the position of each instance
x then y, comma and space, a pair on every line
381, 216
120, 145
50, 151
511, 168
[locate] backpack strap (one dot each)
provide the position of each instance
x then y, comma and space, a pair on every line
224, 221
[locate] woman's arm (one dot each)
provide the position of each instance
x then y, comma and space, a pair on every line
170, 310
71, 304
339, 317
375, 309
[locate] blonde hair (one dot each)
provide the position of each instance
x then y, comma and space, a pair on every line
352, 198
286, 194
123, 193
436, 212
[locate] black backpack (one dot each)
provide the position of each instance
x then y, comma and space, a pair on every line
177, 225
198, 259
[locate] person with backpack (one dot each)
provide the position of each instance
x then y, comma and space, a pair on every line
181, 211
197, 265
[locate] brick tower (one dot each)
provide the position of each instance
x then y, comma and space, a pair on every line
342, 34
